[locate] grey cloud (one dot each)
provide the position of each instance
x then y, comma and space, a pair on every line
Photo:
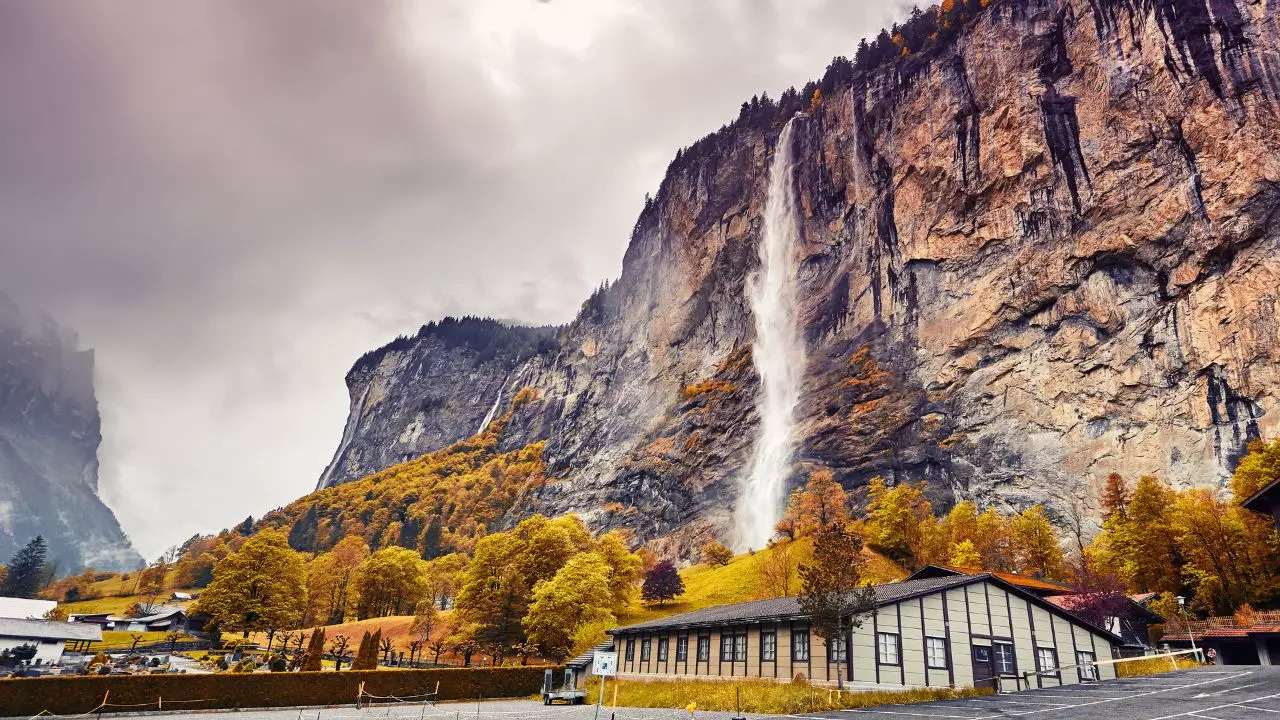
232, 200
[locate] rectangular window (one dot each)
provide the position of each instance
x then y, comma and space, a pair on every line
631, 649
936, 652
800, 646
682, 649
726, 648
704, 648
1046, 659
887, 648
644, 650
836, 653
1005, 664
662, 650
769, 646
740, 648
1088, 671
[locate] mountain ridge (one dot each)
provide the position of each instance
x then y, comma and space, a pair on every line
49, 437
1033, 253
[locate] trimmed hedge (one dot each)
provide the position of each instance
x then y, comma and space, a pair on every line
71, 695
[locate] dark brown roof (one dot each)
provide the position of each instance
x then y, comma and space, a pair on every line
1038, 585
1262, 500
788, 608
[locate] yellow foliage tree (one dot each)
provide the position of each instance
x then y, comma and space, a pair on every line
895, 516
578, 595
390, 582
257, 588
1035, 545
965, 554
332, 579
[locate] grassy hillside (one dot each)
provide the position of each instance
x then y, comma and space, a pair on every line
743, 579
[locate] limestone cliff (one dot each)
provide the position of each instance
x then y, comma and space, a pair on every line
49, 436
1039, 253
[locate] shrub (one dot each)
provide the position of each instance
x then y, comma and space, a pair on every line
69, 695
714, 553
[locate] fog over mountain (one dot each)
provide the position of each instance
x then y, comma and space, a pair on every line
232, 201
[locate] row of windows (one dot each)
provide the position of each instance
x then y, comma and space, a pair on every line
733, 648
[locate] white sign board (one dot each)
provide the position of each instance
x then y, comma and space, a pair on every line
605, 664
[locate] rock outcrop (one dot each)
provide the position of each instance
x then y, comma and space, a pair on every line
49, 437
1039, 254
419, 394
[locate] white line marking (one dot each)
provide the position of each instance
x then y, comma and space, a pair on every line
1250, 707
919, 714
1242, 703
1193, 713
1024, 702
1220, 692
1152, 692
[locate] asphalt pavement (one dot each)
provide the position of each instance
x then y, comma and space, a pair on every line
1210, 693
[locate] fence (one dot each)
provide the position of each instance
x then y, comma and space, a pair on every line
72, 695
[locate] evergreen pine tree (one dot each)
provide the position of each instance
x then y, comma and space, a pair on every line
25, 570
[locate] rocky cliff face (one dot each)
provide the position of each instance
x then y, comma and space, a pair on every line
1040, 254
49, 436
421, 393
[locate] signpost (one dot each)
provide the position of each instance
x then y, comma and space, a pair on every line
604, 664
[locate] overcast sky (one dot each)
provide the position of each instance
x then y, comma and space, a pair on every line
232, 200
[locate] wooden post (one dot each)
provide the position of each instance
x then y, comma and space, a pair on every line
359, 694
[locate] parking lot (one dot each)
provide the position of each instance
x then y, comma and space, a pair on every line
1212, 693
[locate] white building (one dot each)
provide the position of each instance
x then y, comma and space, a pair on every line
958, 632
50, 637
24, 608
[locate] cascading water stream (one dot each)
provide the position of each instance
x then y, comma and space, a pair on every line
493, 412
778, 353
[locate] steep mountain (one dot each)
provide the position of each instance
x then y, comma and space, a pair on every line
1035, 246
422, 393
49, 436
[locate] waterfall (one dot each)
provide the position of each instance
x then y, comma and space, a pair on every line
778, 353
484, 424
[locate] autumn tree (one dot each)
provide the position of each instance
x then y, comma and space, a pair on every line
498, 585
577, 596
1115, 495
625, 568
390, 582
965, 554
1257, 469
1035, 545
895, 516
332, 581
714, 553
778, 569
816, 101
832, 594
444, 576
1138, 539
994, 542
259, 587
426, 620
821, 502
662, 583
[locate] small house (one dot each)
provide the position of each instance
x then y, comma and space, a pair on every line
50, 637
